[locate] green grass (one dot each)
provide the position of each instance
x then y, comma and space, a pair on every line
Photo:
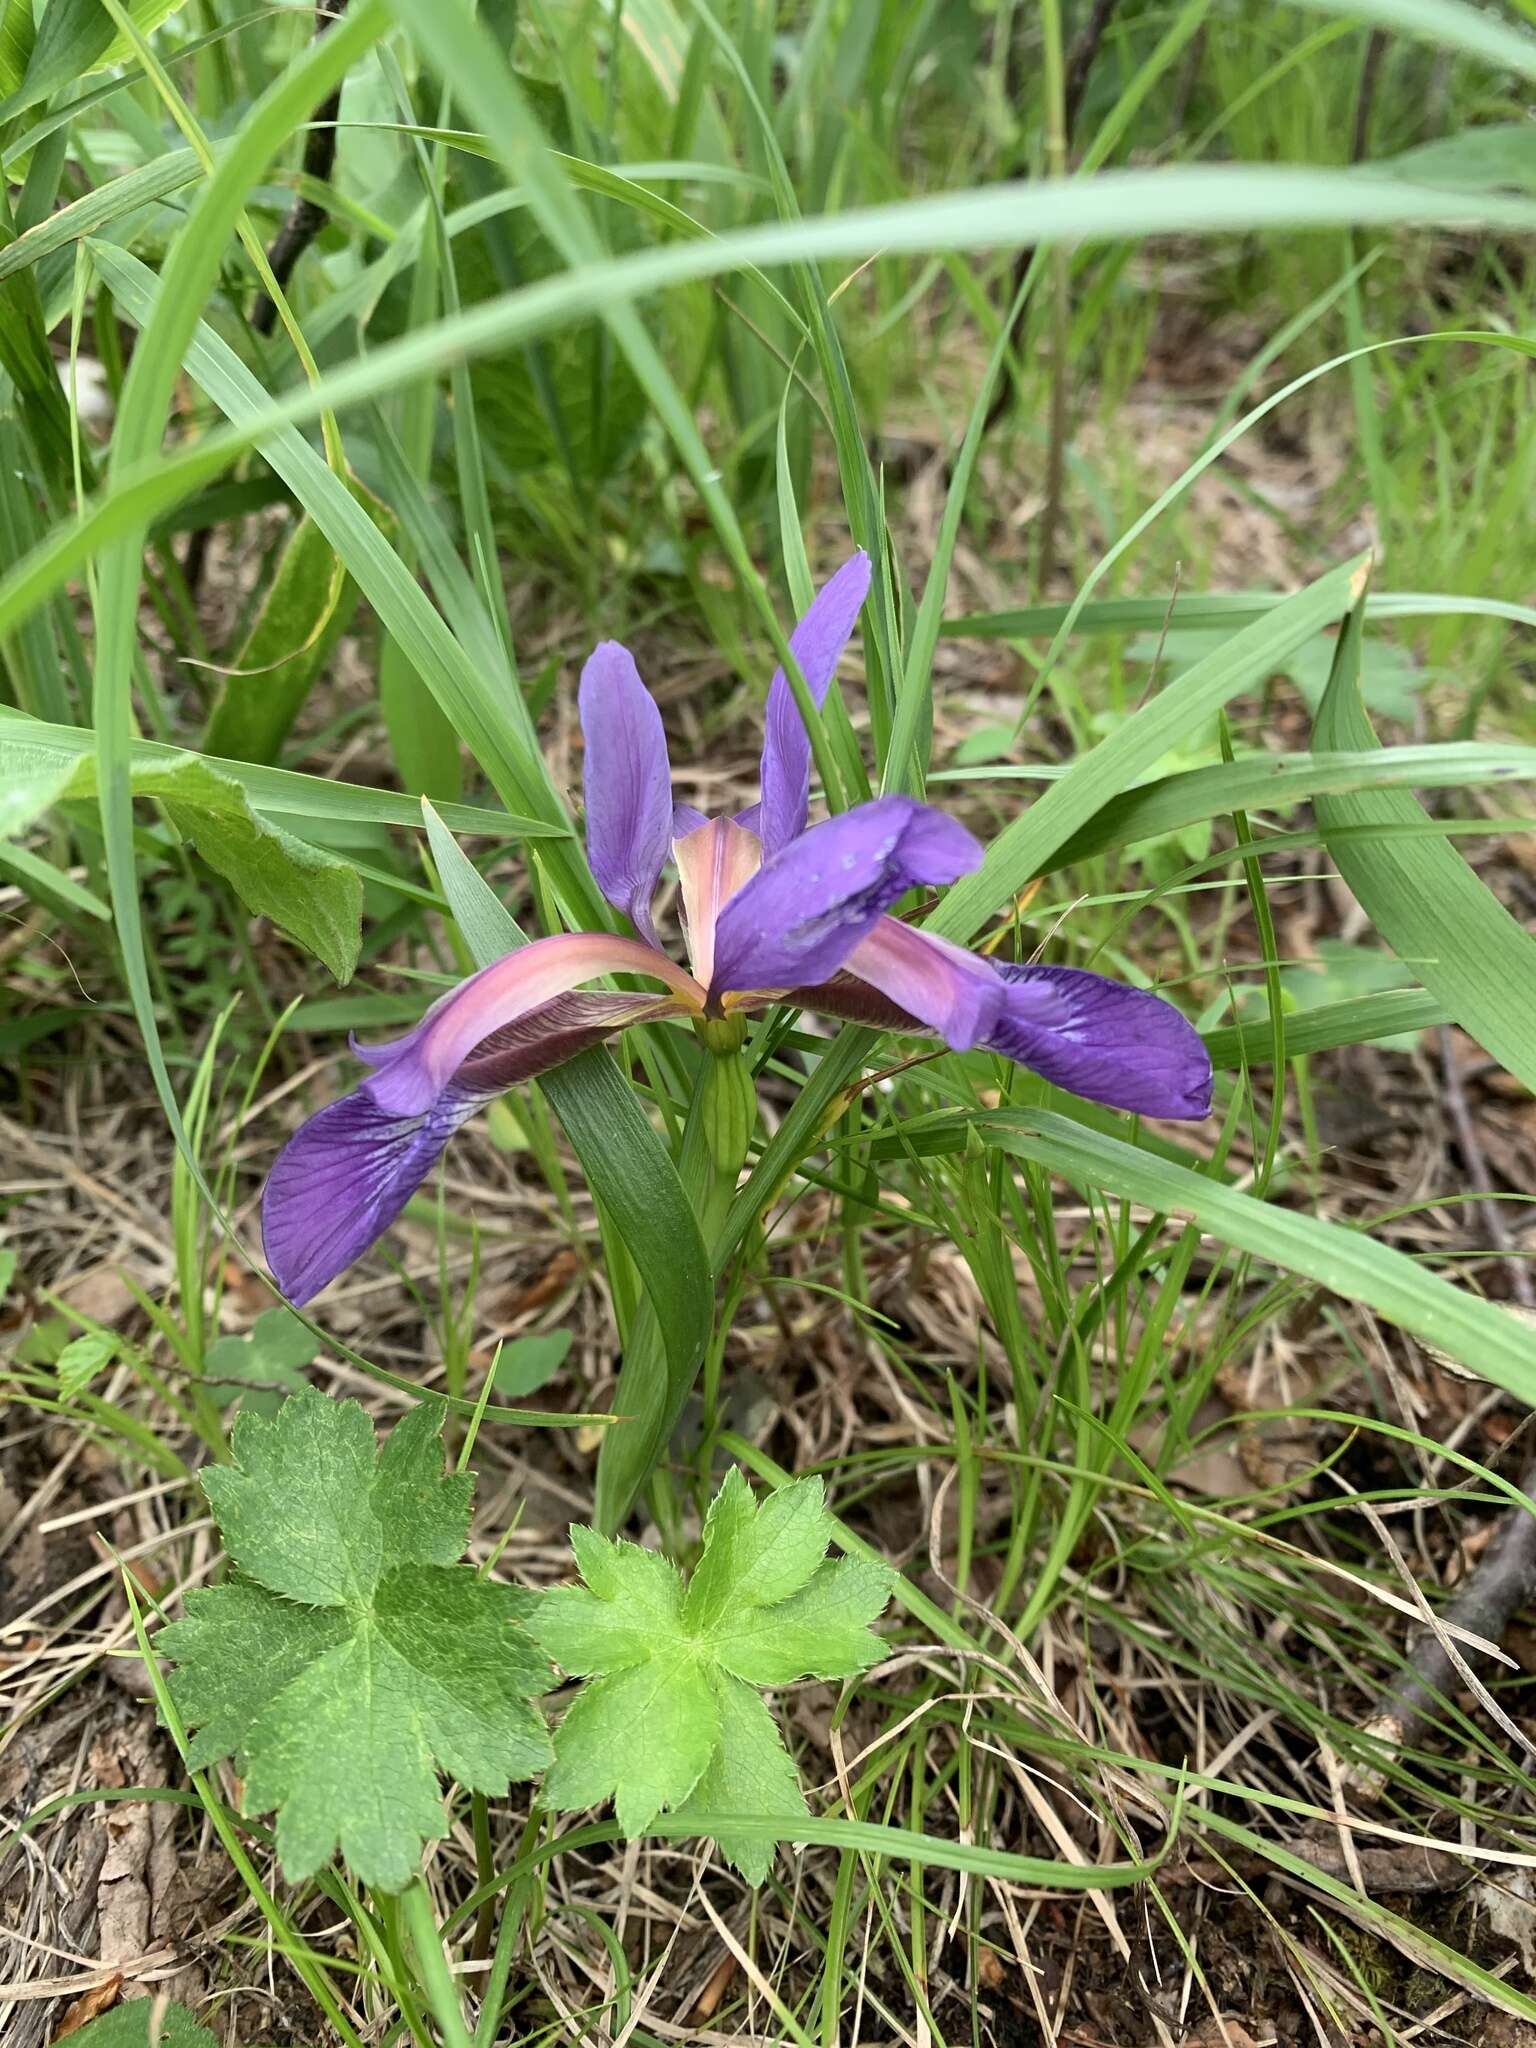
622, 321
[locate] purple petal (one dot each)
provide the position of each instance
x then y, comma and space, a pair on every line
686, 818
817, 644
343, 1179
345, 1176
411, 1072
938, 986
628, 783
1121, 1046
802, 914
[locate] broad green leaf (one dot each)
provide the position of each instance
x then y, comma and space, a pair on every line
1499, 157
314, 897
127, 2026
1420, 894
303, 613
269, 1361
771, 1550
820, 1632
524, 1364
81, 1359
277, 792
669, 1718
350, 1658
750, 1772
641, 1736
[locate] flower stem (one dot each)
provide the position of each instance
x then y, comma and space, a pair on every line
649, 1395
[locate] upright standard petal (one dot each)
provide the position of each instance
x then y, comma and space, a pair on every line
713, 863
802, 914
628, 783
1124, 1047
817, 644
344, 1177
411, 1072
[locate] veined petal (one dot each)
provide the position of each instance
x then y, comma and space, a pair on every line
817, 644
628, 783
938, 985
802, 913
411, 1072
1121, 1046
713, 862
345, 1176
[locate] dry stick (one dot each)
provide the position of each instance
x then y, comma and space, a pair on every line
1504, 1580
1501, 1584
1365, 97
307, 216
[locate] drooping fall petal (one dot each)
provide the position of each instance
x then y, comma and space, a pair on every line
345, 1176
1121, 1046
817, 644
627, 782
1124, 1047
802, 913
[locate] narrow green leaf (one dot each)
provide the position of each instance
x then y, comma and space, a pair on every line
1364, 1020
1349, 1263
144, 186
1421, 895
1259, 781
1023, 848
1209, 608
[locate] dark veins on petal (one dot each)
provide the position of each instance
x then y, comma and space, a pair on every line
1122, 1046
344, 1178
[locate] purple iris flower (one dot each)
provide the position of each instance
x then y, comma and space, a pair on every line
774, 912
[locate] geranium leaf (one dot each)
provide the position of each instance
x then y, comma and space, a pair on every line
351, 1659
669, 1717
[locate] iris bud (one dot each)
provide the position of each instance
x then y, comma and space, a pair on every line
729, 1110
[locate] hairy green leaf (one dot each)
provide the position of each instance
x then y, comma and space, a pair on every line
350, 1658
128, 2026
670, 1718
